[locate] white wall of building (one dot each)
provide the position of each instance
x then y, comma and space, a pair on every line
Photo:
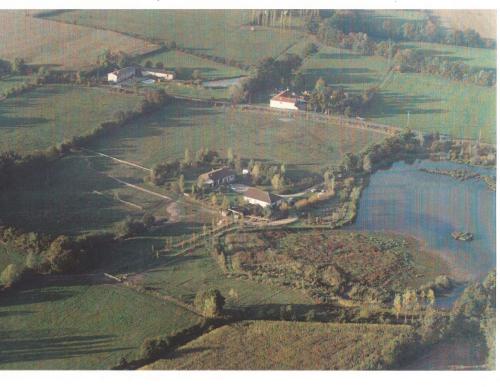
283, 105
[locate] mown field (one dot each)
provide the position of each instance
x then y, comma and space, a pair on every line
279, 345
81, 326
221, 33
176, 60
51, 114
303, 144
60, 45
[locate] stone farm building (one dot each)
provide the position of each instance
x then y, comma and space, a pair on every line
217, 177
158, 73
121, 75
261, 198
286, 100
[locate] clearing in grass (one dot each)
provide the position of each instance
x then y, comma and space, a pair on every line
282, 345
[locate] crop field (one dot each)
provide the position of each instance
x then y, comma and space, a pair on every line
60, 45
302, 144
222, 33
483, 21
81, 326
48, 115
280, 345
182, 277
175, 60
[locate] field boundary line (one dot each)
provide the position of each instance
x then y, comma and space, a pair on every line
118, 160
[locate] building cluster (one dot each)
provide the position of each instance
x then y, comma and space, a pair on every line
129, 72
252, 195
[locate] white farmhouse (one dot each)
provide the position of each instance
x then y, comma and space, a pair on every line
261, 198
286, 100
158, 73
121, 75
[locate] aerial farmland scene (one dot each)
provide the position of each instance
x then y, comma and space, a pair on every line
262, 189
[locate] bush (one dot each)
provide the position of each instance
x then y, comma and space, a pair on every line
10, 275
62, 255
210, 303
153, 349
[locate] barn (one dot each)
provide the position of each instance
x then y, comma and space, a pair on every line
261, 198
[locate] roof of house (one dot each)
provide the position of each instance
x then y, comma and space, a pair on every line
284, 96
123, 70
217, 174
263, 196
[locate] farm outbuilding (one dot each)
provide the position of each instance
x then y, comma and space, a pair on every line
286, 100
121, 75
158, 73
217, 177
261, 198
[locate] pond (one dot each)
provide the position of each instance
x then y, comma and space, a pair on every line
429, 208
223, 83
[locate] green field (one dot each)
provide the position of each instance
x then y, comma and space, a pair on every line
182, 277
62, 200
216, 32
174, 60
81, 326
474, 57
59, 45
434, 103
8, 83
51, 114
340, 67
437, 104
303, 144
280, 345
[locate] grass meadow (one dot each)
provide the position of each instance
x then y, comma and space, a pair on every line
281, 345
221, 33
60, 45
303, 144
81, 326
48, 115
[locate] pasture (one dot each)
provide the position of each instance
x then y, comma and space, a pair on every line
182, 277
48, 115
434, 103
222, 33
60, 45
176, 60
305, 145
81, 325
281, 345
